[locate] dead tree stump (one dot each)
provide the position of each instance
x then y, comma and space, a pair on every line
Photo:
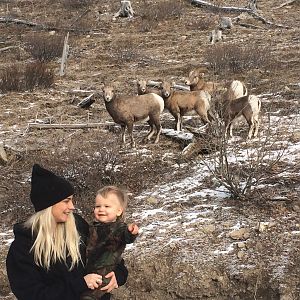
125, 10
252, 4
215, 36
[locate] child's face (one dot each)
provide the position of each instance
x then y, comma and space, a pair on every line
107, 209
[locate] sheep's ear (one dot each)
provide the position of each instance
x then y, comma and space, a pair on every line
173, 83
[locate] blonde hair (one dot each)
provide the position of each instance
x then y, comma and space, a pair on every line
54, 241
120, 193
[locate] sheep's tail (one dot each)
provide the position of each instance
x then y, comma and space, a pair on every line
259, 104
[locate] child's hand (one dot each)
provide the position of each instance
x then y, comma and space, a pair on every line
133, 228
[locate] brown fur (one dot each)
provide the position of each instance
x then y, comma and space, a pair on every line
126, 110
248, 106
180, 102
196, 82
143, 88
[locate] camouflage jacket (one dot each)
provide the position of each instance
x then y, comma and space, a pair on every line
106, 244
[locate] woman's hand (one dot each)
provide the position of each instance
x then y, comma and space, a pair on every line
113, 284
93, 281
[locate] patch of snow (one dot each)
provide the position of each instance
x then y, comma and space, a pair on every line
229, 249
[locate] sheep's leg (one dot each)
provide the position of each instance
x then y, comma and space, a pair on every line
177, 120
211, 116
151, 132
256, 127
203, 115
228, 128
251, 127
130, 130
123, 127
158, 130
181, 122
250, 132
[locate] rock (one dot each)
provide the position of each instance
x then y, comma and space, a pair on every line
209, 228
225, 23
262, 226
239, 234
295, 138
241, 245
152, 201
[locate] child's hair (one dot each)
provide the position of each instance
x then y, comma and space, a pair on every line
120, 193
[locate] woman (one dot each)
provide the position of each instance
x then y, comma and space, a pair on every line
46, 259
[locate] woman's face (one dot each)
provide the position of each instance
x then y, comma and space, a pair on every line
62, 209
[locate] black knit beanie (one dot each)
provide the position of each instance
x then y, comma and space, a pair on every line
47, 188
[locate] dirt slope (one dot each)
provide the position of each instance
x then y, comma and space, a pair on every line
181, 259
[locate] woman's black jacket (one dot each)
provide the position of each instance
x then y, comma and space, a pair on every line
31, 282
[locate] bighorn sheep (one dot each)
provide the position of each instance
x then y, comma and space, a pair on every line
196, 82
180, 102
249, 106
143, 88
126, 110
235, 89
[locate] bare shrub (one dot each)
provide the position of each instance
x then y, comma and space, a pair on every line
233, 58
45, 47
163, 10
90, 166
75, 4
242, 166
11, 79
147, 25
201, 23
32, 75
124, 51
38, 74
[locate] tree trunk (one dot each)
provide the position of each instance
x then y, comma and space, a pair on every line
125, 10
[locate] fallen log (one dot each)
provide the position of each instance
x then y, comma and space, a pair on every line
66, 126
39, 26
87, 102
214, 7
286, 3
106, 125
249, 26
8, 48
75, 91
157, 84
230, 9
182, 137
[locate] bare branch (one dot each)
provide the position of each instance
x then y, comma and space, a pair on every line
230, 9
39, 26
286, 3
